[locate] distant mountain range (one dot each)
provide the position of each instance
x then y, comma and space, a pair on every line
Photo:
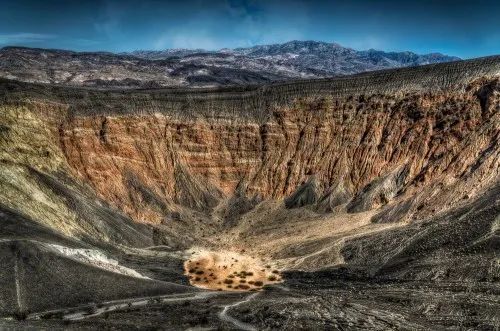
201, 68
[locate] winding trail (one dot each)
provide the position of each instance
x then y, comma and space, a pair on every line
223, 315
87, 311
18, 286
83, 311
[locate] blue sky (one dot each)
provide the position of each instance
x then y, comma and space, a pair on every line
462, 28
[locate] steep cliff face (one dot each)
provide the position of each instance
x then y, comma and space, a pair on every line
386, 139
36, 183
429, 139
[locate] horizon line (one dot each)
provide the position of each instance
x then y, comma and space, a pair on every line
7, 46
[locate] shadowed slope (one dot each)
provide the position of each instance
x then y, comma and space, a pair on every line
35, 278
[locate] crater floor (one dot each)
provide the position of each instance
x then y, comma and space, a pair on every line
229, 271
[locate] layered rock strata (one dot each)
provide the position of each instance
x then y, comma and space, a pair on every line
380, 136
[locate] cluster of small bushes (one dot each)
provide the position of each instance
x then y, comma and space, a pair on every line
21, 315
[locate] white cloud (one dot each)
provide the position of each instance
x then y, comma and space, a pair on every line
185, 38
271, 22
24, 38
236, 24
109, 19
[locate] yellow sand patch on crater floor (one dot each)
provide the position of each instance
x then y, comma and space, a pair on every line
228, 271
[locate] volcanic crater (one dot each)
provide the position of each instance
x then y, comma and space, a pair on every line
365, 201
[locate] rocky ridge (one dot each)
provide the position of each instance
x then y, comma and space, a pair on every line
199, 68
193, 149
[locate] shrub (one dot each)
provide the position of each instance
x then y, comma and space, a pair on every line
21, 315
54, 315
90, 310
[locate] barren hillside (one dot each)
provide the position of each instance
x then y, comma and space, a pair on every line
351, 189
200, 68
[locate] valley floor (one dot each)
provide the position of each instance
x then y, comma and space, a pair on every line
426, 283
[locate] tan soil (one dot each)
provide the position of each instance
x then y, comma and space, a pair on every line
229, 271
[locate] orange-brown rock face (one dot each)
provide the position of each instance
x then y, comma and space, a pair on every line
148, 164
